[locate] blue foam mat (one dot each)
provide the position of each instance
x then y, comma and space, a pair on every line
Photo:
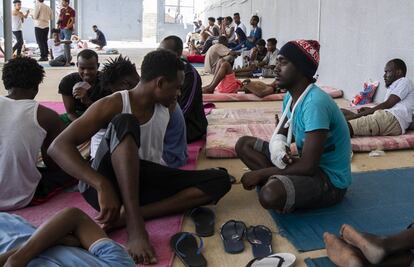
379, 202
198, 65
319, 262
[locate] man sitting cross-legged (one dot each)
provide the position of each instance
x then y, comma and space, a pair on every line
26, 129
321, 174
394, 115
121, 74
59, 50
355, 249
126, 181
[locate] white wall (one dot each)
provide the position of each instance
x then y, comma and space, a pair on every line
357, 37
119, 20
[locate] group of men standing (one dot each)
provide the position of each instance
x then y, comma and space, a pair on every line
42, 16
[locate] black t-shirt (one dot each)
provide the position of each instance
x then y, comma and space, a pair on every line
191, 102
94, 93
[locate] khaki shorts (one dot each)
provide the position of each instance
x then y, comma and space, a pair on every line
381, 123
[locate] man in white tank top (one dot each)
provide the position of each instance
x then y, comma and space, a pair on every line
26, 129
17, 26
121, 74
125, 172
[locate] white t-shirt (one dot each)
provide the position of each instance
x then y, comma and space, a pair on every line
271, 58
403, 110
57, 50
228, 31
241, 26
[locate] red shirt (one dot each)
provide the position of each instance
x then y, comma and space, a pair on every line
66, 15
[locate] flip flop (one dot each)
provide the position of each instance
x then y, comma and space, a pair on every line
232, 233
204, 220
275, 260
260, 237
185, 246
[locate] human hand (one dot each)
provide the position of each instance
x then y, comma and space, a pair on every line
251, 179
109, 204
80, 90
141, 251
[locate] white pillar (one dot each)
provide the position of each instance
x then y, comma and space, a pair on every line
53, 21
7, 29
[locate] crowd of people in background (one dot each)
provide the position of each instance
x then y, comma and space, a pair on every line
221, 42
54, 44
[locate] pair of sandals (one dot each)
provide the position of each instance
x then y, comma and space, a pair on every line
188, 246
260, 237
234, 232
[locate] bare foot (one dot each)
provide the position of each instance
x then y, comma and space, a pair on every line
341, 253
370, 245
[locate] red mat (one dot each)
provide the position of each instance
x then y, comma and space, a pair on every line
160, 230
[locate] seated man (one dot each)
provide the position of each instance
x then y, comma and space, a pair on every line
394, 115
126, 182
191, 97
319, 177
229, 30
80, 89
100, 39
263, 65
258, 53
215, 53
224, 80
59, 50
254, 36
359, 249
26, 129
69, 238
121, 74
212, 30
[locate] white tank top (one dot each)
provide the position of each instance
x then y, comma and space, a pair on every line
152, 133
17, 23
21, 138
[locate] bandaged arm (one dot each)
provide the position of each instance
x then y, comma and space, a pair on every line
277, 147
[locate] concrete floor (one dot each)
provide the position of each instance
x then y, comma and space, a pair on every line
238, 203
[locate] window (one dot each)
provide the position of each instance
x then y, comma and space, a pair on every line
179, 11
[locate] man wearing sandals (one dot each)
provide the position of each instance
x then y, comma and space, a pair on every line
321, 173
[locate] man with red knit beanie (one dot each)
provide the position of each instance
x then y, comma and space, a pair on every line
321, 173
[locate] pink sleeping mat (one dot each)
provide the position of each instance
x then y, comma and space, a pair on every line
335, 93
160, 230
242, 116
221, 139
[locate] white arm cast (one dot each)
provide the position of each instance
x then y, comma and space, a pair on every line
277, 147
